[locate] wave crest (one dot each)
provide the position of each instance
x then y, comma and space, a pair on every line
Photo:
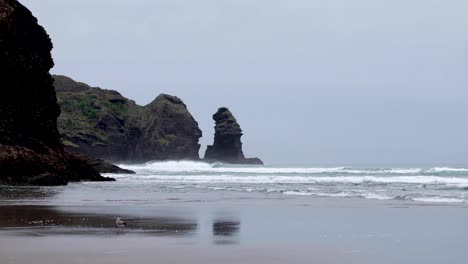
194, 166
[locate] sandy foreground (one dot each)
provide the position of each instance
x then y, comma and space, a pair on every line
150, 250
259, 231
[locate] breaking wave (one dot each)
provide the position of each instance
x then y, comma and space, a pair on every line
431, 185
190, 166
226, 178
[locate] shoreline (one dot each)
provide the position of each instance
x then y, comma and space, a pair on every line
71, 196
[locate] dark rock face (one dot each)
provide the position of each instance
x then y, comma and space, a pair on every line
104, 124
29, 108
102, 166
20, 165
30, 148
227, 145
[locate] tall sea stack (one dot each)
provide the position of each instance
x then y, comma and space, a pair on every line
31, 151
227, 146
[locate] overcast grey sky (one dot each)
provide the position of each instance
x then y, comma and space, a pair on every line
323, 82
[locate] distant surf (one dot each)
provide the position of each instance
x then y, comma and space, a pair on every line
432, 184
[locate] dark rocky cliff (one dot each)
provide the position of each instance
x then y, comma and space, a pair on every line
227, 146
30, 148
29, 107
104, 124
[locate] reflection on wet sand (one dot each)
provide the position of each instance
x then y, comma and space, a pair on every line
25, 193
47, 220
226, 232
50, 220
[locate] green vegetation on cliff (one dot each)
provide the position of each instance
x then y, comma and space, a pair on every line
104, 124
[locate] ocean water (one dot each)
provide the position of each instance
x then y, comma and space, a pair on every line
369, 215
430, 184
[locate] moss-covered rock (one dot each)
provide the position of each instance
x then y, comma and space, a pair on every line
104, 124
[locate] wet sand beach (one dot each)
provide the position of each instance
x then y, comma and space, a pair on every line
257, 229
49, 250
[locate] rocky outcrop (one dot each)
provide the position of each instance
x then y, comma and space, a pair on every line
30, 148
227, 146
104, 167
104, 124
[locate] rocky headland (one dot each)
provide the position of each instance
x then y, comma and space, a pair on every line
104, 124
31, 151
227, 146
54, 130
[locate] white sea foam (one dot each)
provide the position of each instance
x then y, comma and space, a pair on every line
297, 193
197, 178
175, 166
383, 171
341, 194
437, 184
438, 200
376, 196
336, 194
447, 169
190, 166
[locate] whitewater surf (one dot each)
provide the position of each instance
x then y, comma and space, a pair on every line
430, 184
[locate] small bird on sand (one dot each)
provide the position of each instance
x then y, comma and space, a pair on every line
120, 223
